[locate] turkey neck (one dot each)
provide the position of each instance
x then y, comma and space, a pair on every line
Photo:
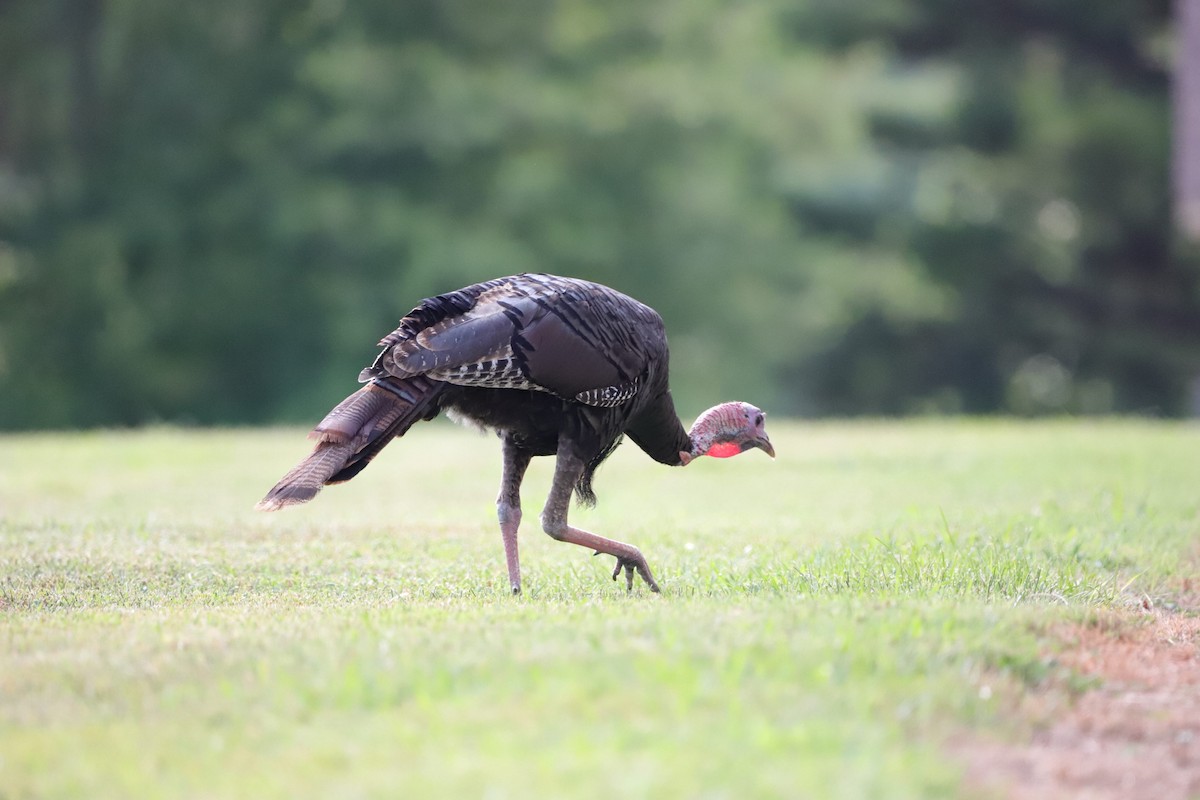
658, 431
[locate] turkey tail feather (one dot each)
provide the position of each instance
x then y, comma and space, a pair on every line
304, 480
353, 433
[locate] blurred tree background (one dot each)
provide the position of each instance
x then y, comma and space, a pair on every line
209, 212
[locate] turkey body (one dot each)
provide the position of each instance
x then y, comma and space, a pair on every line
575, 358
556, 366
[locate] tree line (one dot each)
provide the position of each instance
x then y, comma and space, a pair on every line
210, 212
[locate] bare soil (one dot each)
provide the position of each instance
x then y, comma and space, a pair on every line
1134, 734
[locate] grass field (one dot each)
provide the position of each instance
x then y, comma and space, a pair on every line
827, 619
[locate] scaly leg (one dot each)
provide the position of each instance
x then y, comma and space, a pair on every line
567, 469
508, 507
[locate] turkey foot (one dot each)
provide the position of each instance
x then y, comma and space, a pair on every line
567, 470
630, 564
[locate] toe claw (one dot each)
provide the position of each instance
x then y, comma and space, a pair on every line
630, 565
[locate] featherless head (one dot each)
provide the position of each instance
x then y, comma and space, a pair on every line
728, 429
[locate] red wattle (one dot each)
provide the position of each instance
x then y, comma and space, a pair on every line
724, 450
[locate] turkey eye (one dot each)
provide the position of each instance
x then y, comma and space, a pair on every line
758, 421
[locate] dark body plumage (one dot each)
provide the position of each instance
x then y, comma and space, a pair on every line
557, 366
540, 358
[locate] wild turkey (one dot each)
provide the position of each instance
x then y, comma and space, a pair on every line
557, 366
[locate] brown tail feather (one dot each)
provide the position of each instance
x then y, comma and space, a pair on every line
353, 433
303, 482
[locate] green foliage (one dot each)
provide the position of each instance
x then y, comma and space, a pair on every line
828, 619
210, 213
1036, 197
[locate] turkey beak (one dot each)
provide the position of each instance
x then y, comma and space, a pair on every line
764, 444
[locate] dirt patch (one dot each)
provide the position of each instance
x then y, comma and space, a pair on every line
1135, 734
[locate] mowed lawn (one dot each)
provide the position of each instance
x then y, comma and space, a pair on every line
828, 620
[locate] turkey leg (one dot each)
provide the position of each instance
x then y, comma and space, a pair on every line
567, 469
508, 507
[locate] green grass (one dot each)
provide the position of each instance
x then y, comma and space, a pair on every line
826, 619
